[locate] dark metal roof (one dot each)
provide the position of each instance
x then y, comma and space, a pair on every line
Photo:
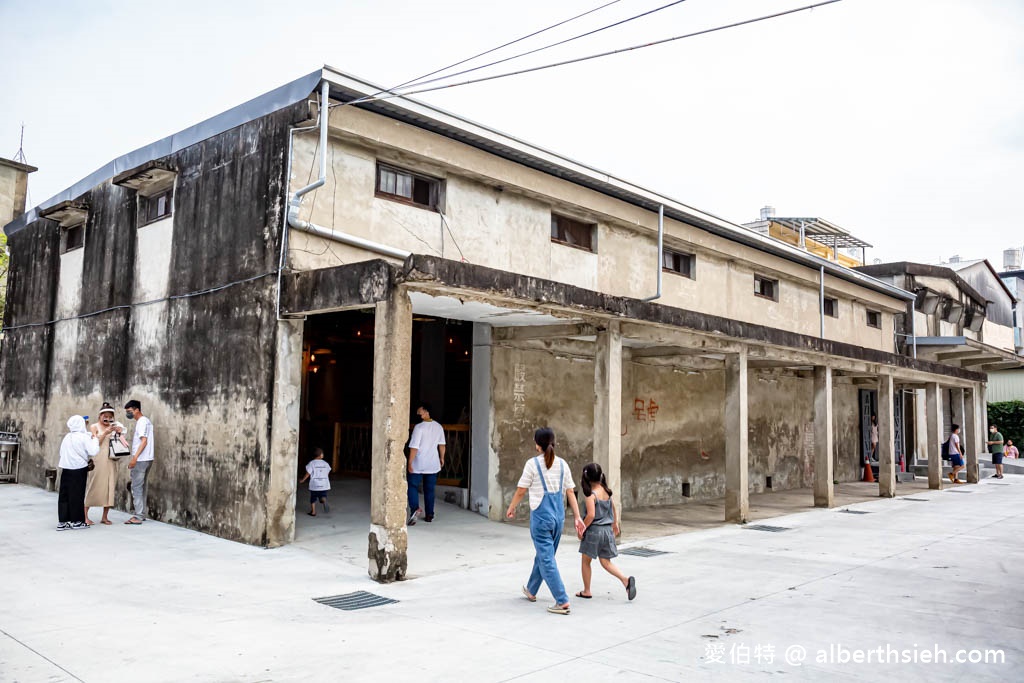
345, 88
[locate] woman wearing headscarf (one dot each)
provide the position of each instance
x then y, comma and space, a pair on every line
99, 491
76, 450
548, 480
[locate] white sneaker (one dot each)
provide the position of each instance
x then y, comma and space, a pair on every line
63, 526
412, 517
79, 525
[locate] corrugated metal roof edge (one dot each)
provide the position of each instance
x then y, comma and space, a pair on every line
437, 120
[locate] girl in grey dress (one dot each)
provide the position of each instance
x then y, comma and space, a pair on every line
602, 525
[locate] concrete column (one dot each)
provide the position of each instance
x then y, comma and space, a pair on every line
284, 434
737, 494
824, 493
934, 420
392, 351
969, 434
956, 399
608, 408
480, 437
886, 437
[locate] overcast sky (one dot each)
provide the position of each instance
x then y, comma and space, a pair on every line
900, 120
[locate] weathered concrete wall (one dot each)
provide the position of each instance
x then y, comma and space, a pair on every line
493, 207
672, 425
202, 366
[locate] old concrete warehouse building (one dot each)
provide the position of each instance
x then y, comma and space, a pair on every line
275, 278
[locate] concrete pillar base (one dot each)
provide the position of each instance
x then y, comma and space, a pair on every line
388, 553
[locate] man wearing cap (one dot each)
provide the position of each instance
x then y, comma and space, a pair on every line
76, 449
141, 458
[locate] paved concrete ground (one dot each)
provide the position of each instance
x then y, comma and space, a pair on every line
159, 603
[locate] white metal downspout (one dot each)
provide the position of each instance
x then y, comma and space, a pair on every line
661, 250
821, 301
913, 327
295, 201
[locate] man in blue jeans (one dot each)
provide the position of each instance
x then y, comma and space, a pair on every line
426, 458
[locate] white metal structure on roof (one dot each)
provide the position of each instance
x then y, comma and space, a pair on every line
823, 231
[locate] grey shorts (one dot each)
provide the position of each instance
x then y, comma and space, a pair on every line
599, 542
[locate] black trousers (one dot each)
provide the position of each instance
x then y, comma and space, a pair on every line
71, 498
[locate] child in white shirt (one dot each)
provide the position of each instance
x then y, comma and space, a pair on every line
318, 472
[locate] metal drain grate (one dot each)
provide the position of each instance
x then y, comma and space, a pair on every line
765, 527
959, 491
998, 483
856, 512
354, 601
643, 552
916, 500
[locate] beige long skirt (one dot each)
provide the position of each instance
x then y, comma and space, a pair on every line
99, 489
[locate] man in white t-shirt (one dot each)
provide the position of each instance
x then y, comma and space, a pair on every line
426, 458
141, 458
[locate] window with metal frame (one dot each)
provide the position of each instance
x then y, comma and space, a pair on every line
679, 262
875, 319
831, 307
72, 238
405, 186
155, 207
766, 287
572, 233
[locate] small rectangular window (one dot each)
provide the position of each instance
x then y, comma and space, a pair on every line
874, 319
572, 232
155, 207
406, 186
766, 287
72, 238
832, 308
678, 262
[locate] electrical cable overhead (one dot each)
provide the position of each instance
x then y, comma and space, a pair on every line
598, 55
493, 49
541, 49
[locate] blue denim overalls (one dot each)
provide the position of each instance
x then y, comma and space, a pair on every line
546, 524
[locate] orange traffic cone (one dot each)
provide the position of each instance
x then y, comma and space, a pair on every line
869, 476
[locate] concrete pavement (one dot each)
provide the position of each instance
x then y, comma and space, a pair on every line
936, 570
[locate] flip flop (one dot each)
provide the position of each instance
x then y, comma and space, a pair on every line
559, 609
631, 588
133, 521
105, 521
311, 514
526, 593
585, 597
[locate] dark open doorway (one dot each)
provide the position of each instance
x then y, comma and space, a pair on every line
337, 391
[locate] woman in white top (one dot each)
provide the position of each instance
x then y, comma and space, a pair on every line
547, 478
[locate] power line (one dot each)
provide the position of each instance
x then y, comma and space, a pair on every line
494, 49
546, 47
601, 54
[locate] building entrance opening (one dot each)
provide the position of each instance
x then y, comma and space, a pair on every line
337, 408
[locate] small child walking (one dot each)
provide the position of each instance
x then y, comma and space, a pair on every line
602, 524
318, 472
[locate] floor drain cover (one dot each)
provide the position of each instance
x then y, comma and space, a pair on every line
917, 500
856, 512
643, 552
765, 527
959, 491
354, 601
998, 483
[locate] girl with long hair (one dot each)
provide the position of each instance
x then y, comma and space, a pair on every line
601, 525
546, 477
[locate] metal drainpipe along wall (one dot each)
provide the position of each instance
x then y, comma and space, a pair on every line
296, 200
821, 301
661, 250
288, 175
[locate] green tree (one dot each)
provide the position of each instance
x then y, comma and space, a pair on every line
1009, 417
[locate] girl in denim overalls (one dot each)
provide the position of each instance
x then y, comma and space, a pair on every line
547, 478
